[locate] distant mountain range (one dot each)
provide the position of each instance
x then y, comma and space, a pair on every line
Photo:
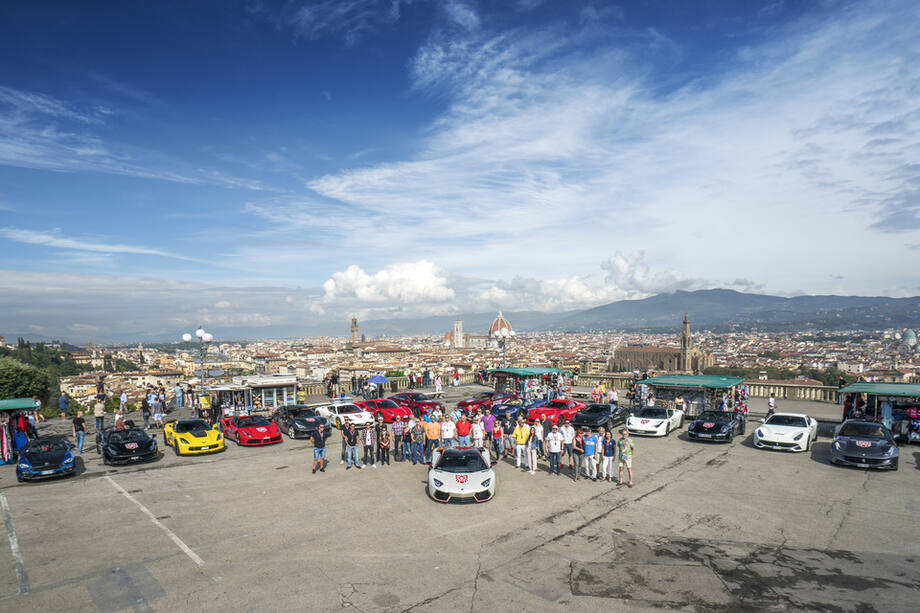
713, 309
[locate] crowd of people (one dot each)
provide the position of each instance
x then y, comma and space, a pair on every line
590, 454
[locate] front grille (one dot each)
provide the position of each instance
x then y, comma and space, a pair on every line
859, 460
778, 444
442, 496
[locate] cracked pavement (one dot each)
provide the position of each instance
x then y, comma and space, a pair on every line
706, 528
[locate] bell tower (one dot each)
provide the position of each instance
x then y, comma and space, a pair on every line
686, 344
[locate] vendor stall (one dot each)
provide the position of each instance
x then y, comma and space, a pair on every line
14, 426
896, 405
698, 392
514, 380
229, 399
269, 391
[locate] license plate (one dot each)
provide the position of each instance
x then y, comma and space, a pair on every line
705, 435
862, 466
47, 472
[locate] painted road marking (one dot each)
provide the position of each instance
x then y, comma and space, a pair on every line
14, 546
175, 539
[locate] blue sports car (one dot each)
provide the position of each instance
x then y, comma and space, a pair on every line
43, 458
510, 409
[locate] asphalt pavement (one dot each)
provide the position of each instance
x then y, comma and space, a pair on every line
707, 527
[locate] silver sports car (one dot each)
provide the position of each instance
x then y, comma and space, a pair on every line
864, 444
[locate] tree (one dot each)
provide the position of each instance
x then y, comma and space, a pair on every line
18, 380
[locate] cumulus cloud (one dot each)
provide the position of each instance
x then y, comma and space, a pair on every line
406, 283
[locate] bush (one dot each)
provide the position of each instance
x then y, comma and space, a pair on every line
18, 380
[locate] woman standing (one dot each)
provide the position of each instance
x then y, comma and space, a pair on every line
578, 451
498, 439
478, 433
533, 443
383, 446
609, 449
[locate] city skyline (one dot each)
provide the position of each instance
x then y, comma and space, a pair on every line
254, 165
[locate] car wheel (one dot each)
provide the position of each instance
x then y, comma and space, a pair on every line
165, 442
176, 447
680, 424
667, 430
105, 460
19, 478
291, 432
98, 450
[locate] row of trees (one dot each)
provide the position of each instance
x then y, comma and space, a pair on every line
831, 376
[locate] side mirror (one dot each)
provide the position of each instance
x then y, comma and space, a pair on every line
763, 420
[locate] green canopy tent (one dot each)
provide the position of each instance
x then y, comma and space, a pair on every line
17, 404
503, 375
701, 392
885, 401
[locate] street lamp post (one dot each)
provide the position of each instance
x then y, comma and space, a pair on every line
502, 336
204, 339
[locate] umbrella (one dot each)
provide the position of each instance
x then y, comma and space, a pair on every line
378, 379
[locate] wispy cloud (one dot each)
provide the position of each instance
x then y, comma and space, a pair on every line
57, 241
350, 19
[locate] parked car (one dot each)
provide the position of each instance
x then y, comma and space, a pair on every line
461, 474
555, 410
250, 430
864, 444
128, 446
786, 431
655, 421
389, 410
45, 458
192, 436
337, 412
418, 402
716, 426
300, 421
483, 400
599, 414
512, 407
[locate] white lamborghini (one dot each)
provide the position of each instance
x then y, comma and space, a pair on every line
655, 421
461, 474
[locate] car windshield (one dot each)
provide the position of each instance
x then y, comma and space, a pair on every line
715, 416
653, 413
512, 402
596, 408
54, 444
191, 425
135, 435
252, 421
347, 408
301, 413
555, 404
484, 395
786, 420
465, 461
419, 397
387, 404
863, 430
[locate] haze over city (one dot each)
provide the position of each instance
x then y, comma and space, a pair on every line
255, 165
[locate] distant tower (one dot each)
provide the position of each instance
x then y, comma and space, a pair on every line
458, 333
686, 344
354, 329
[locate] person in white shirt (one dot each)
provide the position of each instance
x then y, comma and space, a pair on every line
554, 449
478, 433
614, 395
568, 435
540, 434
448, 430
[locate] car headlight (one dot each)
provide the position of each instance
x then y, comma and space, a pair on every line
220, 436
68, 460
726, 428
888, 450
437, 483
838, 445
798, 436
183, 441
759, 433
486, 482
24, 466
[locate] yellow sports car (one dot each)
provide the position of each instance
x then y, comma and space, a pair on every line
192, 436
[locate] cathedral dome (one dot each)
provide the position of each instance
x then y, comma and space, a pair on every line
499, 323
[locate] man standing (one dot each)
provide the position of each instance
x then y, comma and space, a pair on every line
79, 431
448, 430
432, 437
614, 395
771, 405
625, 451
568, 435
63, 405
464, 428
99, 414
179, 394
520, 434
554, 449
418, 443
367, 436
123, 401
398, 428
350, 436
344, 443
590, 460
319, 449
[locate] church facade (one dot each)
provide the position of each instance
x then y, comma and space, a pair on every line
687, 358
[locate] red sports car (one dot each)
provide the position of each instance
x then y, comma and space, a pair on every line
250, 430
483, 400
555, 409
417, 402
387, 408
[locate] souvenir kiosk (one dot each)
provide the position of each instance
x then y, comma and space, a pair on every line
896, 405
700, 392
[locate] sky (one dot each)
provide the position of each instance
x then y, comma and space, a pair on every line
263, 168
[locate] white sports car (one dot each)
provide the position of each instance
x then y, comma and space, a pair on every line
655, 421
789, 431
461, 474
336, 414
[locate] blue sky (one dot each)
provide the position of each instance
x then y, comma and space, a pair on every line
256, 167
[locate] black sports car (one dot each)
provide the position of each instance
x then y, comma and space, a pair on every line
300, 422
128, 446
43, 458
597, 415
716, 426
864, 444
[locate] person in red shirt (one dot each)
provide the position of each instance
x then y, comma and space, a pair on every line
463, 432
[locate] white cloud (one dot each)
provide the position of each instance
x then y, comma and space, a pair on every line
54, 239
462, 14
222, 304
404, 283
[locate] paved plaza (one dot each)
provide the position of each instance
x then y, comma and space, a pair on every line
707, 527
